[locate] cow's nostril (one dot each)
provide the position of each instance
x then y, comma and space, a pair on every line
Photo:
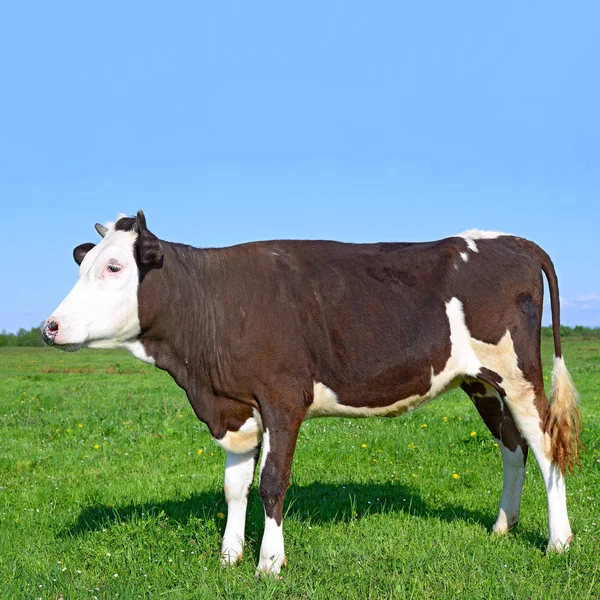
50, 331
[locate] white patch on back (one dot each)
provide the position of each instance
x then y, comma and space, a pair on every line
477, 234
246, 438
471, 245
464, 256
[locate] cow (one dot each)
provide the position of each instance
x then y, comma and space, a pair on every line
264, 335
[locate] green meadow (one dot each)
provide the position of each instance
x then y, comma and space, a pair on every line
111, 488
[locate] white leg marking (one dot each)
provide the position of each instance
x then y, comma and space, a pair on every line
272, 553
558, 519
528, 422
514, 477
266, 447
520, 399
239, 472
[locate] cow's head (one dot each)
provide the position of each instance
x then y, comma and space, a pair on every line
101, 311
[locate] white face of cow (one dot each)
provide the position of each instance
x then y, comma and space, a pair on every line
101, 311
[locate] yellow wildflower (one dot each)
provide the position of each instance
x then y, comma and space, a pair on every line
200, 451
363, 445
473, 433
96, 446
220, 515
455, 476
423, 425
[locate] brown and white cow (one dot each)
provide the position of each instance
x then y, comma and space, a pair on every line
262, 336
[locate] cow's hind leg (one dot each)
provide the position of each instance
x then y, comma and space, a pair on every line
513, 448
529, 410
516, 373
239, 473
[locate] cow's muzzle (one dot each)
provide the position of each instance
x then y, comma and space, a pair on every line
50, 331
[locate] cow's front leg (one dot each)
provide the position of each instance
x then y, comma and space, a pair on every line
279, 443
239, 473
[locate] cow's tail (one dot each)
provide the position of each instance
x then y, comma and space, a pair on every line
563, 422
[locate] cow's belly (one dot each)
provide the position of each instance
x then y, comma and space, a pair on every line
467, 356
327, 404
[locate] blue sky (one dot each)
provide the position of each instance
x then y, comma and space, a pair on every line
236, 121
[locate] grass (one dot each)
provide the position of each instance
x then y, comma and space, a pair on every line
111, 488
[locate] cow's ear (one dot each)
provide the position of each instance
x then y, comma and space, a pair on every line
149, 248
80, 252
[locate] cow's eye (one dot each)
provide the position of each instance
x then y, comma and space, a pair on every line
113, 268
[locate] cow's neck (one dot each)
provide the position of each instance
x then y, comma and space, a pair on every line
179, 313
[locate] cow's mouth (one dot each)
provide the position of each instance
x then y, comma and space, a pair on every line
69, 347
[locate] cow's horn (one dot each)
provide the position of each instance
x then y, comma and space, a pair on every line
140, 221
101, 229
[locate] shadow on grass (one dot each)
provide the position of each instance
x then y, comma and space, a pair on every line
316, 503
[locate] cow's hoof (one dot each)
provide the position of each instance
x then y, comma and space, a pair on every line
559, 545
502, 527
230, 555
270, 567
